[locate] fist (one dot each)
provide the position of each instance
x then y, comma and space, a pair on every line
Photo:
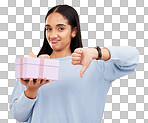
82, 56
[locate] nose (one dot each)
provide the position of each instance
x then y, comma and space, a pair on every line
53, 34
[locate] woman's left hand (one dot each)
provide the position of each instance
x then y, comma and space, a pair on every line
31, 54
83, 56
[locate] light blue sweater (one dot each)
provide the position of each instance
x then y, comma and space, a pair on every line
73, 99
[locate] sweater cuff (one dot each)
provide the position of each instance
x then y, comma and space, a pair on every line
25, 101
114, 54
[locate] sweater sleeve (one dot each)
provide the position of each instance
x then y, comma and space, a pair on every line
123, 61
21, 106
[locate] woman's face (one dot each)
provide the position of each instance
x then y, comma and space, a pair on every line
58, 31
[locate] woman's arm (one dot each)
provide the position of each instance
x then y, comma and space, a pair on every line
120, 61
20, 105
105, 54
115, 62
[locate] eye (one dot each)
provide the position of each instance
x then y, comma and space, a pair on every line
48, 29
61, 28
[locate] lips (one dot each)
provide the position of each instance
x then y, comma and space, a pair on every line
55, 40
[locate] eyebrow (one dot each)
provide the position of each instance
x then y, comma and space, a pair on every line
56, 25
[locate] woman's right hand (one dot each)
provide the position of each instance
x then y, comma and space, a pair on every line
33, 86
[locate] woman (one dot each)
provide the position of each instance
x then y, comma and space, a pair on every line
73, 98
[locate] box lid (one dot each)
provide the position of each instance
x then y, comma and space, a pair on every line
29, 60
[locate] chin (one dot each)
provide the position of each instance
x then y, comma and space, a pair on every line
56, 48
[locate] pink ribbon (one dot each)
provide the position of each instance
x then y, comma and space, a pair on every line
21, 67
41, 67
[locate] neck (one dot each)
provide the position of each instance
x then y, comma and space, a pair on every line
60, 54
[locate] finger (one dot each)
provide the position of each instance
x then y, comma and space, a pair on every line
75, 55
44, 56
30, 82
23, 81
38, 81
75, 62
47, 81
83, 70
75, 58
43, 81
78, 50
34, 56
31, 54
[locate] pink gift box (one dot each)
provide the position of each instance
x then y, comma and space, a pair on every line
28, 67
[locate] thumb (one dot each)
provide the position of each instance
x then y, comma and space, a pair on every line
83, 70
44, 56
31, 54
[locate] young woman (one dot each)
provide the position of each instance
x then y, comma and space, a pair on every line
79, 94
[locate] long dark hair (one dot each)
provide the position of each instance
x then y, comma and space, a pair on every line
72, 16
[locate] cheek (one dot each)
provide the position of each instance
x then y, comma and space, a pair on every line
66, 35
46, 35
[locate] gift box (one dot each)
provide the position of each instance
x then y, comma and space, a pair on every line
28, 67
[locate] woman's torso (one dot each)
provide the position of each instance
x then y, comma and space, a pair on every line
72, 99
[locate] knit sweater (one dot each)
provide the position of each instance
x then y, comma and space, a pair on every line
73, 99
